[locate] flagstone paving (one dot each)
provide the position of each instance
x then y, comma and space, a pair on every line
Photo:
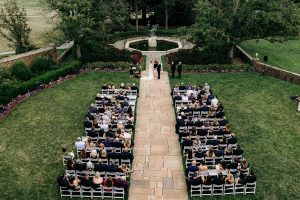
158, 171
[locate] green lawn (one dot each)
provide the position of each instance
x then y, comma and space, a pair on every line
285, 55
32, 136
267, 125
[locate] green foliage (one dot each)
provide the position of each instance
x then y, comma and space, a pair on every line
4, 75
42, 64
210, 54
14, 26
10, 90
217, 68
230, 22
115, 66
20, 70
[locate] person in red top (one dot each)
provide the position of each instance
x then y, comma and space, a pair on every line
108, 182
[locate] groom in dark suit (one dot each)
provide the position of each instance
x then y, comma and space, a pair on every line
158, 70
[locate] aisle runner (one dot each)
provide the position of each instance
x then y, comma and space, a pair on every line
158, 172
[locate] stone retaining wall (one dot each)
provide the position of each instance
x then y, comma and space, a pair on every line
269, 69
28, 57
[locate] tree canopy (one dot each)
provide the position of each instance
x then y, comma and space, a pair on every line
14, 26
232, 21
82, 20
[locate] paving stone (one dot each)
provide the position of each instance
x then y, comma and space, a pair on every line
168, 183
158, 172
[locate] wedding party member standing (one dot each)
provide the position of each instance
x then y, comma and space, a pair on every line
179, 69
173, 69
131, 71
158, 70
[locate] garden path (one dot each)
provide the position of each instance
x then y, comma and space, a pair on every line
158, 171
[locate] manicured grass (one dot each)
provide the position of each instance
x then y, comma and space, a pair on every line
265, 120
285, 55
32, 136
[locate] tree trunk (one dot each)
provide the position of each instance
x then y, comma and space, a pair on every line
231, 52
166, 15
144, 14
78, 51
136, 15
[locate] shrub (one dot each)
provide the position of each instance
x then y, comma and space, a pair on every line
217, 68
4, 75
212, 54
10, 90
20, 70
42, 64
107, 65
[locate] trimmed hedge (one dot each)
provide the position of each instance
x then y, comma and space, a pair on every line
42, 64
217, 68
206, 56
21, 71
10, 91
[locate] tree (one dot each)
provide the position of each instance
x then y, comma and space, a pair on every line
14, 26
83, 20
233, 21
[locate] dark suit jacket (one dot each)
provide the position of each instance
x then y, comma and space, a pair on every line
100, 167
86, 182
179, 68
80, 166
126, 155
88, 124
158, 67
250, 179
114, 155
173, 67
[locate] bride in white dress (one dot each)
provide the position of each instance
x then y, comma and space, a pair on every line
149, 72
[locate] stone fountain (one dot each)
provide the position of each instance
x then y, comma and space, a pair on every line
152, 40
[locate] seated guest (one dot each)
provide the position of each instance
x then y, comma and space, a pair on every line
104, 87
210, 153
194, 180
87, 123
213, 142
126, 155
99, 167
93, 108
63, 181
92, 133
228, 151
116, 143
70, 165
230, 178
244, 164
86, 181
233, 165
89, 166
108, 182
223, 121
214, 102
74, 183
251, 178
121, 183
134, 87
89, 143
199, 153
202, 132
94, 154
97, 180
187, 142
220, 113
219, 180
192, 168
79, 144
232, 140
79, 166
122, 86
238, 151
113, 155
182, 87
185, 97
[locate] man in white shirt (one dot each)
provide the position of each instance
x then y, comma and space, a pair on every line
214, 102
79, 144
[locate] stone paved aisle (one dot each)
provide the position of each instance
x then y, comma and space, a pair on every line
158, 172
